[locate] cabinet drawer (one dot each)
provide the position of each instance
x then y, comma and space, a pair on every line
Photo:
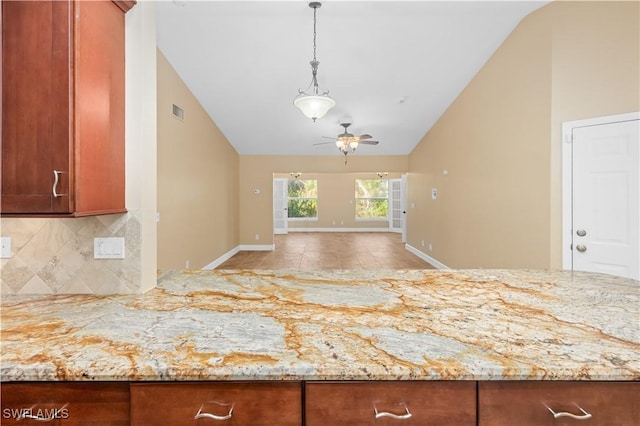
216, 403
91, 404
390, 403
532, 403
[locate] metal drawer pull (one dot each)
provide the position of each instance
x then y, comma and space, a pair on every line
56, 178
44, 414
583, 416
405, 416
205, 415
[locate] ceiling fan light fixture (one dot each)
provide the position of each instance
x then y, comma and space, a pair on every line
313, 102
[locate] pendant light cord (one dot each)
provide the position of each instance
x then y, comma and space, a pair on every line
314, 62
315, 9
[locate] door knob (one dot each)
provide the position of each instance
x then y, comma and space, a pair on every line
581, 248
581, 232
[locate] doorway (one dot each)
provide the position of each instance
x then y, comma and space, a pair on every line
601, 195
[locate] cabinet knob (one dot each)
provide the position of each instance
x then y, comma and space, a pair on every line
403, 416
583, 416
215, 406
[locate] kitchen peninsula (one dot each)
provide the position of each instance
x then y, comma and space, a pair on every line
471, 332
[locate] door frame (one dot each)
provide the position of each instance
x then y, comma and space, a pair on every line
567, 175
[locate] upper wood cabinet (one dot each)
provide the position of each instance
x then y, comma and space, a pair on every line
63, 107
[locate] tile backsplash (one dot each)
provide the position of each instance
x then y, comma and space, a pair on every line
55, 256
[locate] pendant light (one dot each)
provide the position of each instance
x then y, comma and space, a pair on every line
312, 102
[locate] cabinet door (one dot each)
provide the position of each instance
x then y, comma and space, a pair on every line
35, 106
220, 403
99, 77
390, 403
534, 403
72, 404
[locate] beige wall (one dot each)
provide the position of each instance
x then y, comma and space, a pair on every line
257, 171
197, 180
336, 209
495, 155
596, 72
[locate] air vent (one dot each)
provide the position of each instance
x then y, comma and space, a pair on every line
178, 112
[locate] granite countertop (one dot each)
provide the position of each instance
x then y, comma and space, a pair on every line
333, 325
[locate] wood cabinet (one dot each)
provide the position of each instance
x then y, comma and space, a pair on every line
72, 404
431, 403
63, 107
353, 403
220, 403
532, 403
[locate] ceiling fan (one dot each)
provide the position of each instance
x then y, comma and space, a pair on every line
347, 142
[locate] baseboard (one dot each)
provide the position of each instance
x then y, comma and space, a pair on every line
426, 257
256, 247
219, 261
341, 230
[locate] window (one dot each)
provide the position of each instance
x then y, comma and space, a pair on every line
372, 199
302, 199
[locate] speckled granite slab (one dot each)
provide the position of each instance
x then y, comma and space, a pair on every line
338, 325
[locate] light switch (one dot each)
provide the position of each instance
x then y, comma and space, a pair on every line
5, 253
108, 248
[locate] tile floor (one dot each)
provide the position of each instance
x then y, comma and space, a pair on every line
330, 250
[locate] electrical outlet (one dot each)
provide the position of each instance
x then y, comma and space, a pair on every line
108, 248
5, 253
434, 194
257, 236
430, 247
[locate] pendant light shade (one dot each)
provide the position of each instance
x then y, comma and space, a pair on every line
314, 103
314, 106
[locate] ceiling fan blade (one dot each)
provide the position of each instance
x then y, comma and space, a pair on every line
365, 136
368, 142
323, 143
329, 137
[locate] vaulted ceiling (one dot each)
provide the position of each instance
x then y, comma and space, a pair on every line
393, 67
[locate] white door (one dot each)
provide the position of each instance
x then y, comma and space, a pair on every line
395, 205
398, 208
280, 212
403, 206
605, 231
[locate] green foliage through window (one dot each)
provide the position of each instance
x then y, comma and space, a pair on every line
372, 198
302, 198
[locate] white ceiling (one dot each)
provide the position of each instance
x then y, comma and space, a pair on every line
392, 67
